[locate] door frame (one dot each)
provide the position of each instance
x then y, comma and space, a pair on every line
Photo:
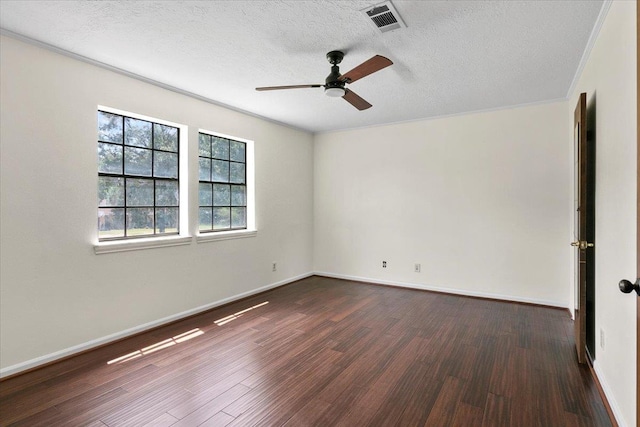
580, 232
638, 210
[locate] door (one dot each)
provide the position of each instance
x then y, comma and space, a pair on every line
582, 218
625, 285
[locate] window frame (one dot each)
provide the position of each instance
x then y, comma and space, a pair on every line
227, 182
155, 239
249, 230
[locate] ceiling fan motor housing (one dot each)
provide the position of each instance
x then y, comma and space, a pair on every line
333, 79
334, 87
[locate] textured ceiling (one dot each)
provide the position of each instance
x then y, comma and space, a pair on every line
453, 57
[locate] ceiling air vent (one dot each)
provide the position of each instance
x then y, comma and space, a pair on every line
385, 17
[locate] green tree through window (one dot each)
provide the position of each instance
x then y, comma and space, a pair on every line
223, 183
138, 187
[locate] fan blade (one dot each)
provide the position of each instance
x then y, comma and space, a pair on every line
353, 99
369, 66
287, 87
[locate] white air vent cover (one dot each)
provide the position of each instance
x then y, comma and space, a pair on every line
385, 17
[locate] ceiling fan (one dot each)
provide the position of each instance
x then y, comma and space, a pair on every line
335, 82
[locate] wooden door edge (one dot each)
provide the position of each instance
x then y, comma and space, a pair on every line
580, 312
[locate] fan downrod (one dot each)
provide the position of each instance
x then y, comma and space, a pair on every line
335, 57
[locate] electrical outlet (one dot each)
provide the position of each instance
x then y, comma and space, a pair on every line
384, 264
602, 338
274, 266
417, 268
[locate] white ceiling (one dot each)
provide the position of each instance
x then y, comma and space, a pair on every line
453, 57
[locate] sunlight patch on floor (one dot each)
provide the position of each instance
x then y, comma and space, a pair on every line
185, 336
234, 316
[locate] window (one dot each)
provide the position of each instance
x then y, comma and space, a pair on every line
138, 185
222, 183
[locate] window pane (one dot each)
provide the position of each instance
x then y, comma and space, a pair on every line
237, 151
221, 218
137, 161
205, 193
238, 217
220, 171
167, 220
109, 158
205, 169
167, 193
206, 222
165, 137
110, 223
204, 145
221, 195
139, 192
237, 173
109, 127
138, 188
139, 221
137, 132
220, 148
165, 164
110, 191
238, 195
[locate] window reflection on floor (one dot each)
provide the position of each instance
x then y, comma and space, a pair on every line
234, 316
185, 336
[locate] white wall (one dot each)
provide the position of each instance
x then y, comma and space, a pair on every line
55, 292
479, 201
609, 79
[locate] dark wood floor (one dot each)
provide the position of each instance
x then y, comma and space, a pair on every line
325, 352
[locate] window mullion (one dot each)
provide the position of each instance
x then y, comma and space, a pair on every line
153, 179
125, 211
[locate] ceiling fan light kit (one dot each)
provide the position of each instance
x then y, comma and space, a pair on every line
335, 82
335, 92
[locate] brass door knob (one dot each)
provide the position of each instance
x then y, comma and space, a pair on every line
582, 244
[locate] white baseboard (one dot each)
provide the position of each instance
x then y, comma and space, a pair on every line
607, 392
48, 358
443, 290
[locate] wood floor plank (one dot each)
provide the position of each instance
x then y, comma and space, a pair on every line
467, 415
164, 420
410, 398
213, 407
314, 413
504, 375
43, 417
325, 352
443, 411
497, 412
98, 424
203, 396
478, 388
146, 408
218, 420
275, 405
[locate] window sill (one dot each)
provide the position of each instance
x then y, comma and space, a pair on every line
140, 244
225, 235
